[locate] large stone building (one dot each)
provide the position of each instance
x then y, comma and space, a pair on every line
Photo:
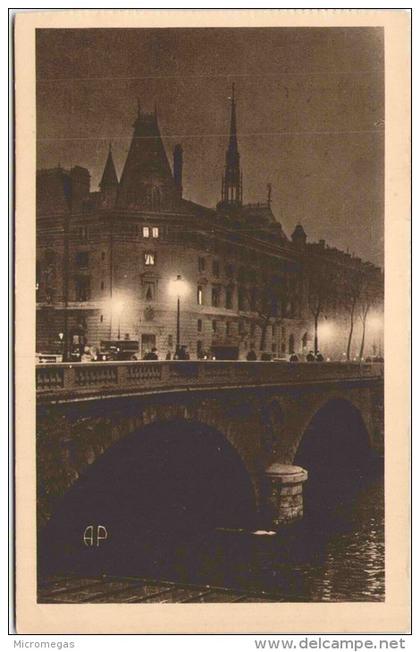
108, 263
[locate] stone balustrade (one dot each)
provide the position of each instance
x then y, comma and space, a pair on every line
69, 381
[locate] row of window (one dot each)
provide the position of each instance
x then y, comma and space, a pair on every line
252, 333
82, 258
241, 328
244, 274
247, 299
82, 289
215, 267
147, 231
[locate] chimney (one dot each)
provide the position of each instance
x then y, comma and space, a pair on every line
178, 167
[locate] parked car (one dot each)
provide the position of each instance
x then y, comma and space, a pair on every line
118, 350
48, 358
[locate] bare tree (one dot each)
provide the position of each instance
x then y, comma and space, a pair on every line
320, 283
352, 290
365, 304
265, 300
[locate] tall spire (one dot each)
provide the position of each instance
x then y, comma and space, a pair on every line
233, 141
232, 178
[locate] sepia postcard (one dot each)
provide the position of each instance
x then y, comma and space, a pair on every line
212, 321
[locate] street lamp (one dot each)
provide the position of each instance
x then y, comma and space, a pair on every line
117, 305
179, 288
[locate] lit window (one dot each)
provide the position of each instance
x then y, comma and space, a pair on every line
149, 258
146, 232
155, 232
200, 295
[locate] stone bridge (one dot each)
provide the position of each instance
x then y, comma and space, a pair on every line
242, 435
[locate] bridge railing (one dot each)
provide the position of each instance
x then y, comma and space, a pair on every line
114, 378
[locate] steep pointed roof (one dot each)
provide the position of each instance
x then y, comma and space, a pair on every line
147, 164
109, 177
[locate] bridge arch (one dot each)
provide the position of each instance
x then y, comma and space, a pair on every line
167, 481
335, 449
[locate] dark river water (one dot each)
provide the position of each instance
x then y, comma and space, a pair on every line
331, 555
338, 559
161, 525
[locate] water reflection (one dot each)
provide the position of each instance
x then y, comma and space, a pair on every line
341, 562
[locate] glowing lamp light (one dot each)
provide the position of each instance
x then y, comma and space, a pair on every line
326, 330
177, 287
117, 306
374, 323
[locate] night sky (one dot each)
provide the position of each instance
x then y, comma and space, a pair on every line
310, 112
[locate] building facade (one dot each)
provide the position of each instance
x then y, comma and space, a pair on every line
108, 263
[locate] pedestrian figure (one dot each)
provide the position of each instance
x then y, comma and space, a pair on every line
168, 356
151, 355
251, 355
319, 357
293, 358
310, 357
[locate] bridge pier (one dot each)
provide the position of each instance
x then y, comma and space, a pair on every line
283, 496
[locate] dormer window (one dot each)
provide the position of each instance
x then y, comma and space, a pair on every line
150, 232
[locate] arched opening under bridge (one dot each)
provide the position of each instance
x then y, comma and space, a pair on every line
163, 486
336, 452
